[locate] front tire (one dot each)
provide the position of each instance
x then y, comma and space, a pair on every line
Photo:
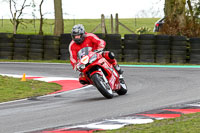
104, 88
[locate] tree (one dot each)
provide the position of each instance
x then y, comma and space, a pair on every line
59, 24
16, 13
180, 18
175, 13
197, 9
41, 18
175, 10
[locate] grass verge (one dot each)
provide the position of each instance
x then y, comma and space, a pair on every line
14, 88
188, 123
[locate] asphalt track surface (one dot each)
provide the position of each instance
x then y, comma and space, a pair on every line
149, 88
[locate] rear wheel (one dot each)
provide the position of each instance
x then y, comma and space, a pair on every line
103, 87
123, 90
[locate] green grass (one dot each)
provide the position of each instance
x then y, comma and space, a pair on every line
14, 88
32, 27
189, 123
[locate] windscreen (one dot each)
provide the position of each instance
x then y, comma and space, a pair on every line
83, 52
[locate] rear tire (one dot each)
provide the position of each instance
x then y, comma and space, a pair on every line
123, 90
104, 88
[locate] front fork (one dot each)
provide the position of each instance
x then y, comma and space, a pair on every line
99, 70
104, 77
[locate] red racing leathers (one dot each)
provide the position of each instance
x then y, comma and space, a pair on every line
91, 40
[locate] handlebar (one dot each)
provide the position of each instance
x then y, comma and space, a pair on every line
98, 51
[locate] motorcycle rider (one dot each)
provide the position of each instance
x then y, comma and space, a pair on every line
81, 39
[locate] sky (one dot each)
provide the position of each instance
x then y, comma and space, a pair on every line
91, 9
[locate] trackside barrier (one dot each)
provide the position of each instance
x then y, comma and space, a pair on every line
132, 48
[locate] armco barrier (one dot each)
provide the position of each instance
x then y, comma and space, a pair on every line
65, 40
51, 47
179, 49
114, 44
6, 46
36, 47
147, 48
162, 49
132, 48
21, 45
194, 50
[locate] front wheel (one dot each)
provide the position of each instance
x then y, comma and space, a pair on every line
103, 87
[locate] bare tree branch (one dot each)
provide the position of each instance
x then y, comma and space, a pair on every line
16, 13
191, 10
22, 8
10, 3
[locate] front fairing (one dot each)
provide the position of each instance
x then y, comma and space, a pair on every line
108, 70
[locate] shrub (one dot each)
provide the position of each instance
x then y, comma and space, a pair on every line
143, 30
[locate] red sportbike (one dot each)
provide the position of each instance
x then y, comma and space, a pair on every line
96, 70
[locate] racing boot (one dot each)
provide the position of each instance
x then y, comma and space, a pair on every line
118, 69
120, 72
121, 78
82, 79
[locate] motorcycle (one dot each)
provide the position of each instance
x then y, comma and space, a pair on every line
96, 70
